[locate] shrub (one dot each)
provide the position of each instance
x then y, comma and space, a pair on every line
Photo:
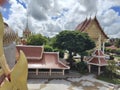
82, 67
111, 57
61, 52
108, 44
48, 48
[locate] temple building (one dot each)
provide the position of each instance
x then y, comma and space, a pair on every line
43, 62
26, 32
94, 30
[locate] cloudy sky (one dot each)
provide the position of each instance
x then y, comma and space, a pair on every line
49, 17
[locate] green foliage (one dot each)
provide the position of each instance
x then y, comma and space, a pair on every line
111, 73
111, 57
107, 79
36, 39
111, 70
61, 52
82, 67
73, 41
113, 67
108, 44
117, 43
115, 51
48, 48
118, 51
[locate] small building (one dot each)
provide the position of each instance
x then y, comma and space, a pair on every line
43, 62
97, 59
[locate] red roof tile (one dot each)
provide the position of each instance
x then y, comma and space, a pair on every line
98, 58
31, 51
112, 47
48, 60
98, 53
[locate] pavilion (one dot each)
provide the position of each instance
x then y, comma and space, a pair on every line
97, 59
43, 62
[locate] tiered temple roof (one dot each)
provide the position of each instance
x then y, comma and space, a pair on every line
37, 58
98, 58
26, 32
93, 28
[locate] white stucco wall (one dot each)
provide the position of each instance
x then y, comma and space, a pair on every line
10, 52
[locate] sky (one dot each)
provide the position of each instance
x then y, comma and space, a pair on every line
49, 17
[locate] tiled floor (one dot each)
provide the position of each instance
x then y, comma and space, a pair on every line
84, 83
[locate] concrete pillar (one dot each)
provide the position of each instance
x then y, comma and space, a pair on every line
37, 71
99, 70
89, 68
63, 72
50, 71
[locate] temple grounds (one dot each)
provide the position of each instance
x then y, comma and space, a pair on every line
86, 82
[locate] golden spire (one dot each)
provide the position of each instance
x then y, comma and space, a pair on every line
26, 32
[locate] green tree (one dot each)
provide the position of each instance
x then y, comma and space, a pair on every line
112, 69
48, 48
74, 42
117, 43
36, 39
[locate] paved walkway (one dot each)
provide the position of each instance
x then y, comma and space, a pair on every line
83, 83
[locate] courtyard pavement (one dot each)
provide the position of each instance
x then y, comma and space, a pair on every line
87, 82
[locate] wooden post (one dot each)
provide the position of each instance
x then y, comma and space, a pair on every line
89, 68
37, 71
99, 70
50, 72
63, 71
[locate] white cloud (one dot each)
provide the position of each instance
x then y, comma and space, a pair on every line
67, 14
17, 18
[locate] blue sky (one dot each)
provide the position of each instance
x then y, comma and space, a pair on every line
52, 16
116, 9
6, 11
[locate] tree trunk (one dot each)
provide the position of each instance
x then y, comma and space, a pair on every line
82, 57
70, 58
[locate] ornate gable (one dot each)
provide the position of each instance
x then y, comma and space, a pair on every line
93, 28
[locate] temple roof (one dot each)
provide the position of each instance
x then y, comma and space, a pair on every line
98, 58
27, 30
38, 58
98, 53
82, 26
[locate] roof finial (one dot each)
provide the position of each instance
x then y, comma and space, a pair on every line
88, 17
95, 15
